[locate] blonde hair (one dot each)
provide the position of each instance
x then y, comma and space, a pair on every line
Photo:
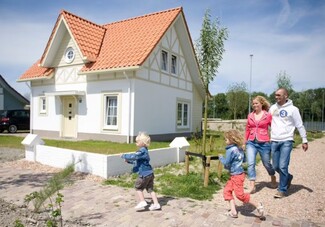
263, 101
234, 137
143, 138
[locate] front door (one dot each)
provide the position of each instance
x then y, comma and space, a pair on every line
69, 127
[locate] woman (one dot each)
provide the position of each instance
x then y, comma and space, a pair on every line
258, 140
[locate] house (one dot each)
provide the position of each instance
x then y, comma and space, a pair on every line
10, 99
108, 82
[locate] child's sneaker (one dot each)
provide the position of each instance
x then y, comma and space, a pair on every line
260, 209
141, 205
155, 207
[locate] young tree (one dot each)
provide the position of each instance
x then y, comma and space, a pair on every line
209, 49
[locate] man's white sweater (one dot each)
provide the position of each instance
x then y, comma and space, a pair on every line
285, 119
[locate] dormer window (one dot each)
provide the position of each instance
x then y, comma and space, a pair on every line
69, 55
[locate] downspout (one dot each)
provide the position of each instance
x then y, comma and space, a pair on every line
129, 108
30, 107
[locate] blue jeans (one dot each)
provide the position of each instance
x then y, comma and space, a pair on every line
281, 151
264, 149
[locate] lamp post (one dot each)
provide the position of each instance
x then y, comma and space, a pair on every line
250, 86
323, 112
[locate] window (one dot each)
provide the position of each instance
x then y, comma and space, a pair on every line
174, 65
111, 108
182, 115
42, 105
69, 55
164, 60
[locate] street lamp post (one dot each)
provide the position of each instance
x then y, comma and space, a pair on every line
250, 86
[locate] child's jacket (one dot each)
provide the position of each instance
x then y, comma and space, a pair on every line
140, 160
234, 159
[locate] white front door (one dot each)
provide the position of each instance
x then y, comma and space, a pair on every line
69, 127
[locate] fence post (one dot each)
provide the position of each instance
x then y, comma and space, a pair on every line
206, 173
219, 169
187, 163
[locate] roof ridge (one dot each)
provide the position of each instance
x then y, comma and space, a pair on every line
146, 15
64, 12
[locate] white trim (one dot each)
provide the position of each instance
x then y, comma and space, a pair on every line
63, 93
69, 55
42, 106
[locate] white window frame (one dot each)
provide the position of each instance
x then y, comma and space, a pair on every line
181, 115
115, 111
173, 65
42, 105
164, 60
69, 55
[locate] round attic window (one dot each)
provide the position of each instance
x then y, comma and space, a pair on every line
69, 55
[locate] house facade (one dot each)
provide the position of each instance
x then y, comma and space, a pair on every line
108, 82
10, 99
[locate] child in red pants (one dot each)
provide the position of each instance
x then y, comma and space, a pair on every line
233, 162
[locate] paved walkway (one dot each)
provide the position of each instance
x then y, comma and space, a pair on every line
101, 205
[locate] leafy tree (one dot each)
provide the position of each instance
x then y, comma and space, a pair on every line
209, 49
237, 97
284, 80
222, 109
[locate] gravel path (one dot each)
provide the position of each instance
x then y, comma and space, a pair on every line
306, 199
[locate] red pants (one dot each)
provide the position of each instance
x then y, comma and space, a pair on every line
236, 184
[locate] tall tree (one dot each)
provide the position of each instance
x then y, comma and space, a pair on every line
221, 106
209, 49
237, 97
284, 80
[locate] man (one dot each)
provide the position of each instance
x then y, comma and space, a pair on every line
285, 118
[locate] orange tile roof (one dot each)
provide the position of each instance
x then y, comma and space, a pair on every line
117, 45
37, 72
88, 35
129, 42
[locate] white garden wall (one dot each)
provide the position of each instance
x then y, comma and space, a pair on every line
98, 164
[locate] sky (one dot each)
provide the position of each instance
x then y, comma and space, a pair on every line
283, 36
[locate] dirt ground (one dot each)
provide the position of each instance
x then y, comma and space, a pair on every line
11, 214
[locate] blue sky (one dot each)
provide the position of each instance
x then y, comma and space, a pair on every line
283, 36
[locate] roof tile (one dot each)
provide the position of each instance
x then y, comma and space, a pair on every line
37, 71
116, 45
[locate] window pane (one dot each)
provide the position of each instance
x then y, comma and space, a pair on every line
179, 114
182, 114
174, 64
111, 110
185, 119
43, 104
164, 61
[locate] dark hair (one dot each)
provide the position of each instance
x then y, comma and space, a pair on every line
284, 90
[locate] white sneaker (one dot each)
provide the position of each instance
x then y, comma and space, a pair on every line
141, 205
155, 207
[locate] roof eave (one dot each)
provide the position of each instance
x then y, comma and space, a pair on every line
101, 71
36, 78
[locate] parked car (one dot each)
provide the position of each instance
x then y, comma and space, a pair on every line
13, 120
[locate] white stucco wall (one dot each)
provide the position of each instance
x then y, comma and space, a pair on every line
155, 107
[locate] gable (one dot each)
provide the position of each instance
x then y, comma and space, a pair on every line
9, 97
87, 37
60, 55
175, 45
